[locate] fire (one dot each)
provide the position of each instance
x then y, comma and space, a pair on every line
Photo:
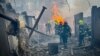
55, 14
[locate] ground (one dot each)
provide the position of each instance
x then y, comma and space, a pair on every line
41, 49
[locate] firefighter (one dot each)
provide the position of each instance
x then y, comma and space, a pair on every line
56, 28
88, 31
81, 32
88, 34
48, 27
60, 31
65, 32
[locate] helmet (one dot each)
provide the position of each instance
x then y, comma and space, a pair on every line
65, 22
56, 22
81, 22
48, 21
60, 22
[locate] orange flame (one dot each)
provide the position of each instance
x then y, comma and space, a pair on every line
55, 15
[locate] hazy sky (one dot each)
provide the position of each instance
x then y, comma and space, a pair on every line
76, 6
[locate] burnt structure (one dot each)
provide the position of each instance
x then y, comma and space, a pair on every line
77, 17
95, 26
4, 45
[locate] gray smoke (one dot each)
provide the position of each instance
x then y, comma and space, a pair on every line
75, 6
